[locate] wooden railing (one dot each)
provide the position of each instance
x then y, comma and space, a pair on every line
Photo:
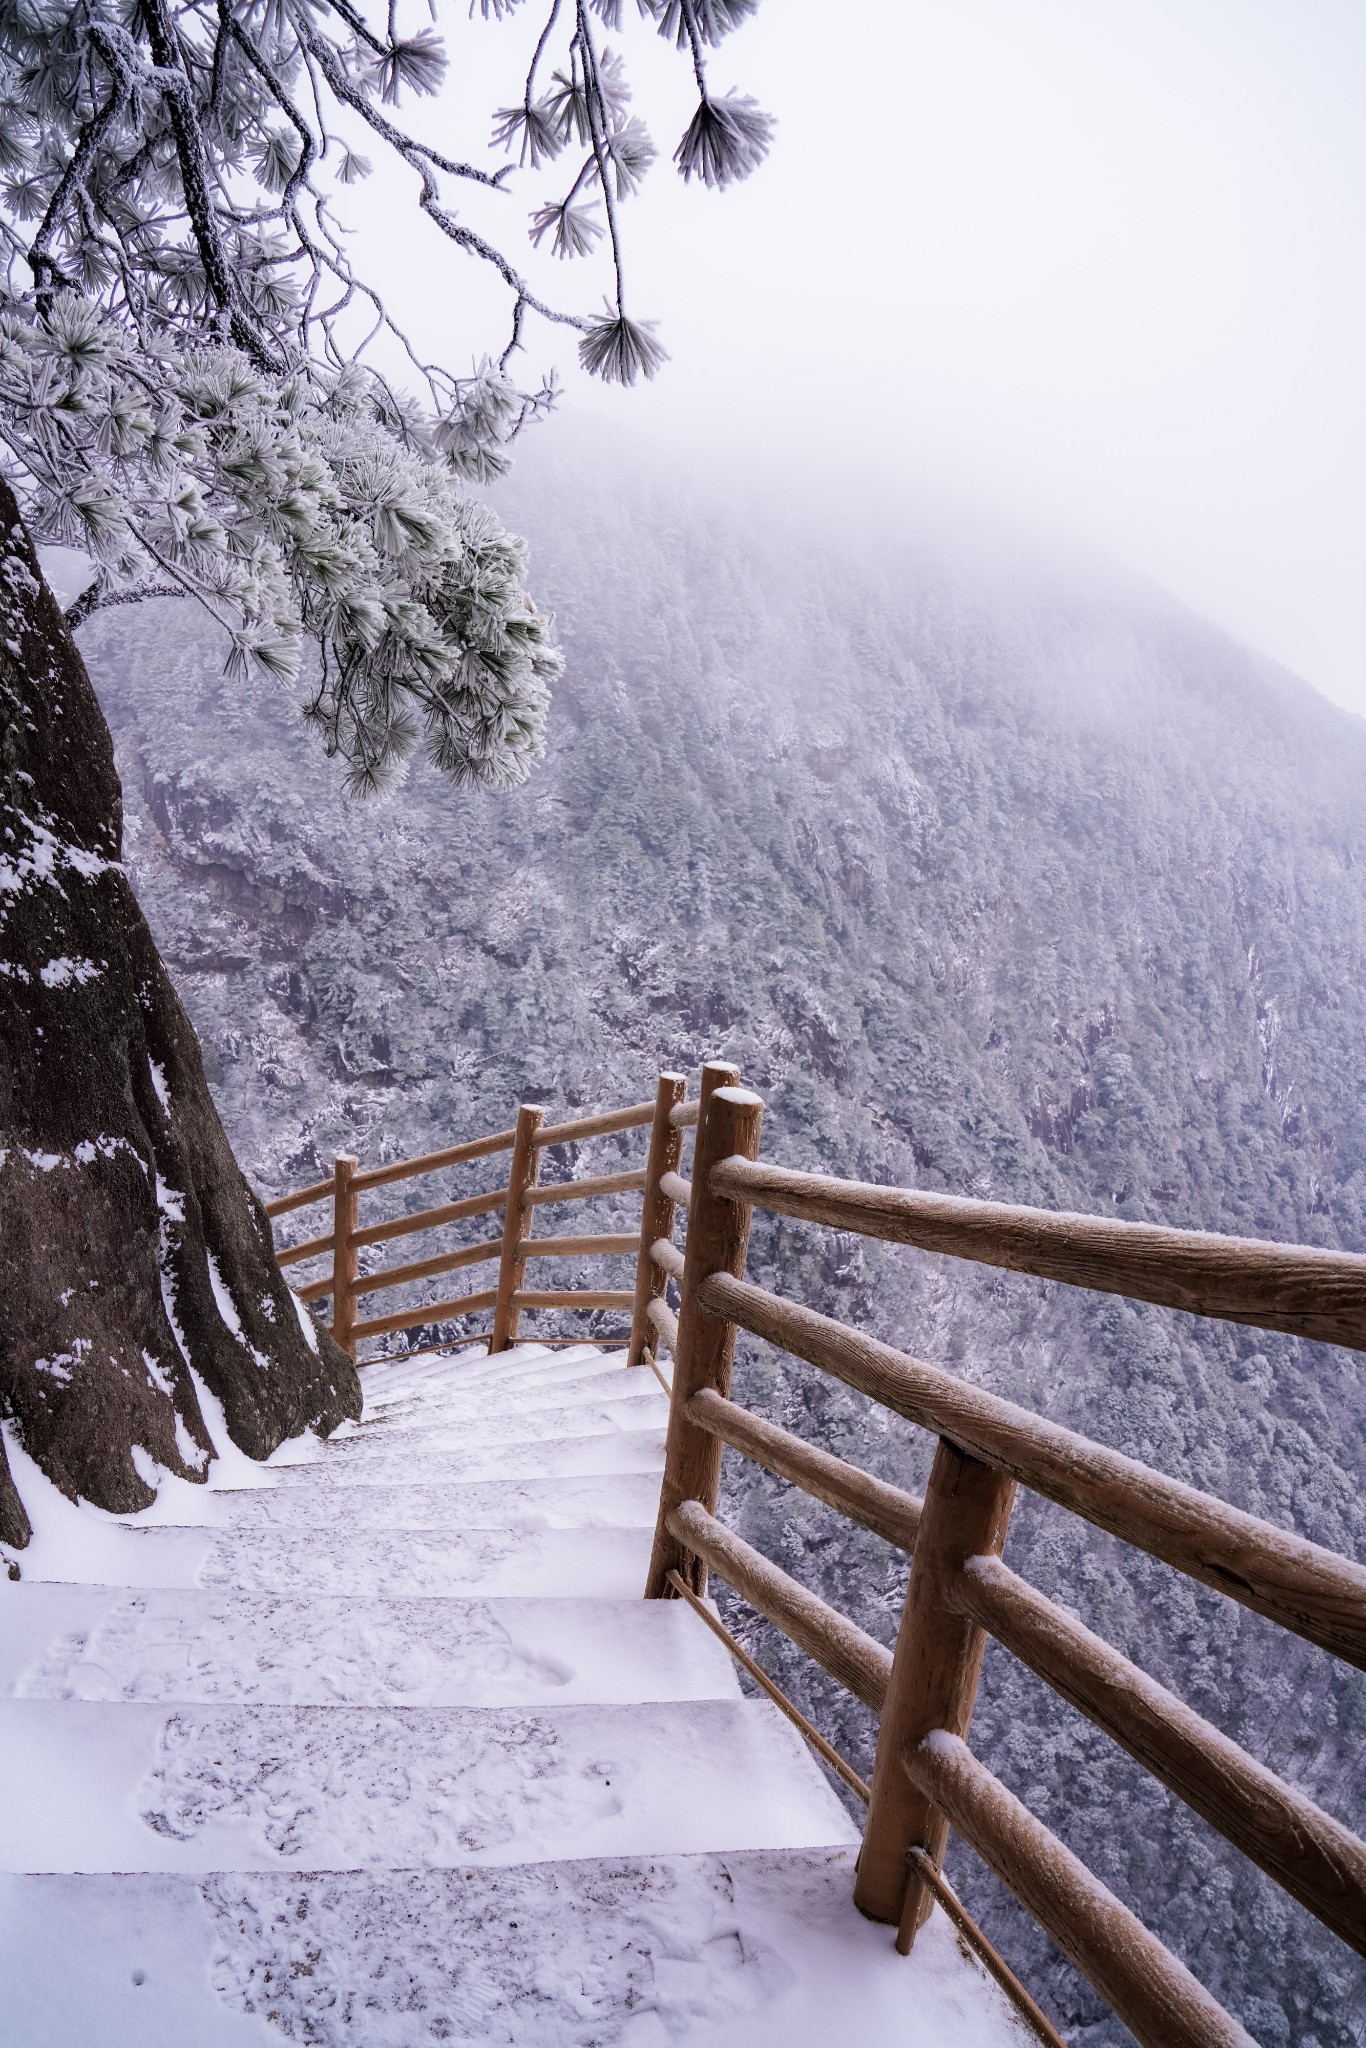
926, 1778
517, 1200
960, 1592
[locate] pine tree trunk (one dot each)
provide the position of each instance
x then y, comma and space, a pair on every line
131, 1247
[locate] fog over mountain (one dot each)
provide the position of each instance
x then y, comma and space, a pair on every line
992, 881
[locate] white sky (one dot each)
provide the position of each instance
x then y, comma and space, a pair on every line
1099, 262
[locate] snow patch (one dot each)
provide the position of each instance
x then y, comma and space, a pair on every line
158, 1376
192, 1454
72, 1540
146, 1467
66, 1363
163, 1093
101, 1146
306, 1323
227, 1307
231, 1467
46, 854
62, 972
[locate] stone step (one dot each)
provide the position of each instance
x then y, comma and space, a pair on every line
431, 1439
510, 1376
99, 1643
606, 1563
612, 1500
569, 1457
438, 1406
94, 1787
737, 1951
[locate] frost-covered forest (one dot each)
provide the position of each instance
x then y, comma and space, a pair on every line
992, 881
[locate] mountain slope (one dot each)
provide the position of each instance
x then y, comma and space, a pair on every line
991, 881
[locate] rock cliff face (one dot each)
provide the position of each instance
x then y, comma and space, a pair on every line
134, 1253
990, 883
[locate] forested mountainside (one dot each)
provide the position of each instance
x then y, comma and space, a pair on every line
990, 882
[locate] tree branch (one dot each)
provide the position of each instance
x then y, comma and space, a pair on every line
98, 597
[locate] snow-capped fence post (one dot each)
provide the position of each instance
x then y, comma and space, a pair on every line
718, 1238
522, 1175
933, 1686
656, 1213
345, 1261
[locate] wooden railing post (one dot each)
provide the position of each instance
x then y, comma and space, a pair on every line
656, 1214
345, 1258
718, 1238
934, 1683
522, 1175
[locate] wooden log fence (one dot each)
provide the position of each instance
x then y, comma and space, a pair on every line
961, 1592
926, 1779
670, 1116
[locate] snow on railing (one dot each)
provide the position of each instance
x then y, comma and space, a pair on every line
960, 1591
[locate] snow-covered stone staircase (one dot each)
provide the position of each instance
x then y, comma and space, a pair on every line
378, 1746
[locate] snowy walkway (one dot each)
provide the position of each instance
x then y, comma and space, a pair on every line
378, 1746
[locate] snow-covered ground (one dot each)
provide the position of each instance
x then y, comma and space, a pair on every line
377, 1745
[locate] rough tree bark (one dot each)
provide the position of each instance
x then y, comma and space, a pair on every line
131, 1248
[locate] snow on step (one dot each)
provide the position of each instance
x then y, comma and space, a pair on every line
608, 1563
535, 1411
132, 1787
595, 1500
613, 1500
576, 1379
379, 1745
430, 1442
745, 1951
351, 1463
93, 1643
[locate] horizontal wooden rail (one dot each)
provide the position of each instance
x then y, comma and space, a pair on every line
684, 1116
574, 1297
315, 1289
435, 1312
886, 1510
425, 1269
595, 1126
1300, 1585
433, 1162
402, 1169
991, 1959
379, 1233
311, 1248
1296, 1288
662, 1318
302, 1198
676, 1188
606, 1245
823, 1749
850, 1656
585, 1190
1155, 1996
667, 1257
1316, 1859
431, 1219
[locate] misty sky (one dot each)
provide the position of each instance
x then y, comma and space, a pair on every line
1099, 264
